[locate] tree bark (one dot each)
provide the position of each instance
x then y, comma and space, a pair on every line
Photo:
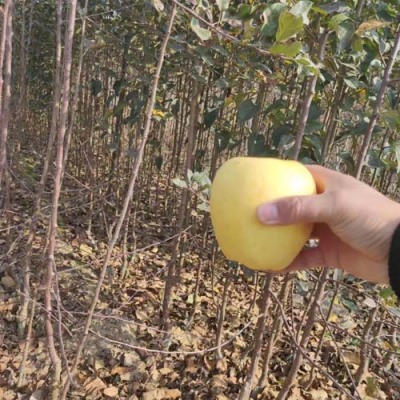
7, 36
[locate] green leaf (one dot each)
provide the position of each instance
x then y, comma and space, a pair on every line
159, 162
289, 25
209, 117
96, 86
313, 126
352, 83
345, 34
223, 4
202, 178
336, 20
244, 11
287, 49
391, 118
306, 65
373, 159
301, 9
286, 142
316, 142
247, 110
271, 15
202, 33
278, 132
179, 183
222, 138
350, 305
347, 158
386, 293
256, 144
337, 7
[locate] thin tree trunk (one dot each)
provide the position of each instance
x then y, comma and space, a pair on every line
379, 100
27, 344
258, 340
76, 90
51, 263
127, 199
222, 312
364, 348
5, 106
305, 107
331, 128
3, 48
275, 331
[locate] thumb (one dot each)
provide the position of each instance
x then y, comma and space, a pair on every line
296, 209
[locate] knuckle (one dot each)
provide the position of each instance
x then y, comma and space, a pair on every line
292, 209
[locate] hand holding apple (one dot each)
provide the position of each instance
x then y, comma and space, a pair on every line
354, 224
264, 210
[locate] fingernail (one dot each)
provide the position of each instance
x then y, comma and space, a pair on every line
268, 214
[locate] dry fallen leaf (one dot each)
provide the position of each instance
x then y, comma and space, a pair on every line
222, 365
111, 392
37, 395
318, 394
371, 303
94, 385
7, 282
123, 372
165, 371
162, 394
219, 383
9, 305
131, 359
351, 357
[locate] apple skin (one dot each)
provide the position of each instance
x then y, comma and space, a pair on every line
239, 187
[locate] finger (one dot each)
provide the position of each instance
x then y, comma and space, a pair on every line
322, 176
297, 209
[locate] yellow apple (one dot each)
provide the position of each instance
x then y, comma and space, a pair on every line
239, 187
